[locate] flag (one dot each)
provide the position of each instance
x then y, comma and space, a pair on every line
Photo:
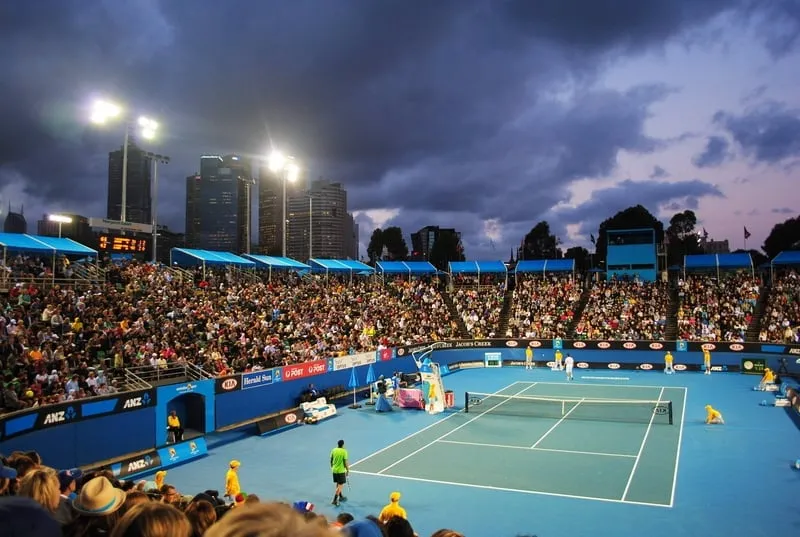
592, 237
746, 234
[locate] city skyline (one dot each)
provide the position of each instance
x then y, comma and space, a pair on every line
456, 115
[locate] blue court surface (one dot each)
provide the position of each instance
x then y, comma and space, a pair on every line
590, 457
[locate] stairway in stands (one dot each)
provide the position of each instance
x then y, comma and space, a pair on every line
755, 323
576, 317
671, 332
505, 313
451, 307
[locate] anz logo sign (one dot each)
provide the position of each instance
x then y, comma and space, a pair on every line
137, 402
62, 416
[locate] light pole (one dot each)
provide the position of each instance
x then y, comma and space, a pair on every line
61, 220
278, 162
102, 113
154, 199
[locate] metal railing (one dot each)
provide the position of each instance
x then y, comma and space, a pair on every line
173, 372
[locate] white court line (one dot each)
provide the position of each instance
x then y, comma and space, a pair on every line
551, 429
504, 489
453, 430
424, 429
584, 385
680, 441
526, 448
641, 449
605, 378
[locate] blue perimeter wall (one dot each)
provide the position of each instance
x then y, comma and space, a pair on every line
111, 436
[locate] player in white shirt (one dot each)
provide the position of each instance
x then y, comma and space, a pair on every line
569, 363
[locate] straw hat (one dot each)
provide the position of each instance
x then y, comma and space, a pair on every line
98, 497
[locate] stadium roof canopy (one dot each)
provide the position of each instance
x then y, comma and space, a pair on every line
405, 267
789, 257
718, 261
18, 242
276, 262
478, 267
546, 265
187, 257
339, 266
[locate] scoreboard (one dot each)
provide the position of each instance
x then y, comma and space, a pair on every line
111, 242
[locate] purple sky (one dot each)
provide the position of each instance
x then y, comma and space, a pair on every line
479, 115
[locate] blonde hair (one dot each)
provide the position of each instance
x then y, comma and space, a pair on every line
42, 486
153, 519
447, 533
268, 520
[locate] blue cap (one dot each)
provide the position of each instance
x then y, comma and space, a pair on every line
362, 528
66, 477
23, 517
6, 472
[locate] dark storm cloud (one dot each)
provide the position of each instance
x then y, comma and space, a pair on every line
783, 210
659, 173
473, 107
769, 133
715, 153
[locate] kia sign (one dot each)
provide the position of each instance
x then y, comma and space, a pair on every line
257, 379
305, 370
232, 383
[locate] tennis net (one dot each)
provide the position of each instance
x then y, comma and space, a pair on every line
587, 409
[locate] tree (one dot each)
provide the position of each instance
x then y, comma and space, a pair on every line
683, 239
784, 236
446, 248
539, 243
375, 247
395, 243
581, 257
631, 218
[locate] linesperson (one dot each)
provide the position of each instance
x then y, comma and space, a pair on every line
340, 469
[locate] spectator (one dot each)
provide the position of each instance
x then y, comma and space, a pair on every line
543, 306
716, 310
153, 519
781, 317
98, 509
41, 485
625, 310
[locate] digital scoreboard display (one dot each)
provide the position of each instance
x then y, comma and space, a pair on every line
109, 242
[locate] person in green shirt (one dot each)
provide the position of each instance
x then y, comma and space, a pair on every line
340, 470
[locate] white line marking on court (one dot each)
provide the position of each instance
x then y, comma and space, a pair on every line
504, 489
678, 453
606, 378
526, 448
641, 449
610, 385
445, 435
551, 429
424, 429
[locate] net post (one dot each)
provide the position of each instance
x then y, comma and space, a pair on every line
669, 407
466, 402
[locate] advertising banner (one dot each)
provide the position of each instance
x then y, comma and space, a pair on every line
257, 379
753, 366
183, 452
149, 462
384, 355
232, 383
288, 418
354, 360
304, 370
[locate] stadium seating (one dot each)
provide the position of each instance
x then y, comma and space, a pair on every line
714, 309
781, 319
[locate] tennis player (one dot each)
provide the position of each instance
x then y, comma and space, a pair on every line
559, 360
340, 469
569, 363
707, 361
713, 416
668, 361
528, 358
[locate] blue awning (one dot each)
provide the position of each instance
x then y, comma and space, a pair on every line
188, 257
276, 262
718, 261
789, 257
405, 267
18, 242
478, 267
339, 266
546, 265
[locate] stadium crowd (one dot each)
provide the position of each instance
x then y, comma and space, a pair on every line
781, 320
712, 309
480, 308
39, 501
544, 306
625, 310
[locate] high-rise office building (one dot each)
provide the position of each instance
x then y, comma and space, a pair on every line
423, 240
78, 229
138, 203
270, 213
216, 204
15, 222
319, 224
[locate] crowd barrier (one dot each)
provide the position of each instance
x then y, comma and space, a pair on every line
82, 432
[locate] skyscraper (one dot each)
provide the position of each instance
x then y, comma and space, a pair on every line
330, 228
15, 222
216, 208
423, 240
138, 201
270, 212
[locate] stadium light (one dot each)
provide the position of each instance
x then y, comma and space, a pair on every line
61, 220
103, 112
288, 170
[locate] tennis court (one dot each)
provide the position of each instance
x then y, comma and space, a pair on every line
611, 443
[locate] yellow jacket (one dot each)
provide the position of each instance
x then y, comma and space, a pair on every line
232, 487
